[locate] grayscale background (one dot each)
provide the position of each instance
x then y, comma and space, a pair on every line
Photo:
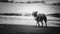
19, 12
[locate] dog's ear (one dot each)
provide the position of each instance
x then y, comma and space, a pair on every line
36, 11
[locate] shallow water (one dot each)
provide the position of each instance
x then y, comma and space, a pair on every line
21, 20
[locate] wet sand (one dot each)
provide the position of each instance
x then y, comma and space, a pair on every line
25, 29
